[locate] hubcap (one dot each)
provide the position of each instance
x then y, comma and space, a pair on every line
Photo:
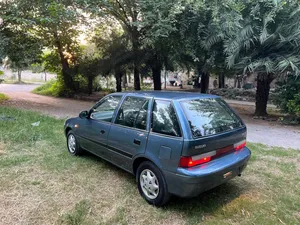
149, 184
71, 143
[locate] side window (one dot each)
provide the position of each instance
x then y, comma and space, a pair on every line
133, 113
105, 110
164, 120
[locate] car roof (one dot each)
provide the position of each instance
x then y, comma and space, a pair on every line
170, 95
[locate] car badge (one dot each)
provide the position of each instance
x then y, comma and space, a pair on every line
200, 146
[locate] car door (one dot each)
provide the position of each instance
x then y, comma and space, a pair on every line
129, 133
165, 140
95, 129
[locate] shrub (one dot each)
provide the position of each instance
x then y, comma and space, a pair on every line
3, 97
288, 98
240, 94
51, 88
294, 105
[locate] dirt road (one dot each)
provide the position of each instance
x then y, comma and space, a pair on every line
266, 132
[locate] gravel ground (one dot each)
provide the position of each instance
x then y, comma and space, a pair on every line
259, 131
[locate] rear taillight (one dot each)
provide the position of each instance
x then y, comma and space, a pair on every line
190, 161
240, 145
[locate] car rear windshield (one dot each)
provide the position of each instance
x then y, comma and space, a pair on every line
209, 116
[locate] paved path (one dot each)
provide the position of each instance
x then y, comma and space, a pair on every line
21, 97
266, 132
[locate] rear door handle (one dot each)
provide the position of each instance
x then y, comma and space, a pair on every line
137, 142
102, 131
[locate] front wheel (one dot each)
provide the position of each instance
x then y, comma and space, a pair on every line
151, 184
72, 143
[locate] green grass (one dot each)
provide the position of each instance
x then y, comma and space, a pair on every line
3, 97
41, 183
50, 88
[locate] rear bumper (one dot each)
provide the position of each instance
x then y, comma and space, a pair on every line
190, 182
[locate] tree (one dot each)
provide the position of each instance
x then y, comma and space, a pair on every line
127, 13
203, 27
22, 50
159, 23
56, 23
265, 42
144, 22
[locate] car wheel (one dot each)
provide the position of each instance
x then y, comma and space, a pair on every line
72, 143
152, 185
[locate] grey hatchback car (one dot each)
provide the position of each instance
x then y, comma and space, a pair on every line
173, 142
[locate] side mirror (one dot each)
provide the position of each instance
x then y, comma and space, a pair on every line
84, 114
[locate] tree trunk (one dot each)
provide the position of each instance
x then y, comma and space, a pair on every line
204, 82
124, 80
221, 80
66, 74
156, 74
90, 85
19, 75
118, 76
239, 82
141, 80
136, 74
136, 62
165, 79
45, 75
262, 93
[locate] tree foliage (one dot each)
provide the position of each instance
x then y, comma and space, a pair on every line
229, 37
265, 42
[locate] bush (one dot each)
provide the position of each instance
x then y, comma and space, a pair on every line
51, 88
3, 97
294, 105
240, 94
288, 98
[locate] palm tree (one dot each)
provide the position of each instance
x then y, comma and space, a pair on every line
266, 42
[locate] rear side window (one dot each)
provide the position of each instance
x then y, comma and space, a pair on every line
209, 116
164, 119
133, 113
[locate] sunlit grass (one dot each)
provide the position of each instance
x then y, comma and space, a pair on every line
41, 183
3, 97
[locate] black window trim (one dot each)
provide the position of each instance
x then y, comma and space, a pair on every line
151, 118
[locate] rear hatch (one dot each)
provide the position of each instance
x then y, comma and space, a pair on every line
215, 128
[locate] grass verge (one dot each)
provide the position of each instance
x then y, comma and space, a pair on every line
41, 183
3, 97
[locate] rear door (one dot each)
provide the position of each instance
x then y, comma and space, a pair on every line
165, 139
129, 133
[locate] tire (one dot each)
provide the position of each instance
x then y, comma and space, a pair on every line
72, 144
152, 185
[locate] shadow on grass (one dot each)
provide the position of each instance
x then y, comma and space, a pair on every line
207, 203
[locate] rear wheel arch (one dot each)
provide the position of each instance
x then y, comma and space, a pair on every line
139, 160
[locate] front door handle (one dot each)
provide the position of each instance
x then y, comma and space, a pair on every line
102, 131
137, 142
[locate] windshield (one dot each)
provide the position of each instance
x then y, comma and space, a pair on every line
209, 116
